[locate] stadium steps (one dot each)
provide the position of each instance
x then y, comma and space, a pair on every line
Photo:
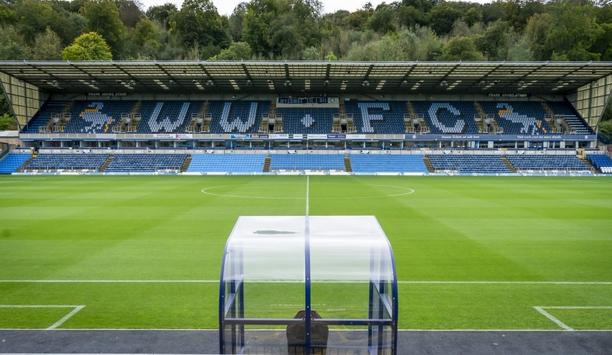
588, 163
347, 164
266, 166
24, 166
428, 164
106, 163
3, 152
508, 164
186, 163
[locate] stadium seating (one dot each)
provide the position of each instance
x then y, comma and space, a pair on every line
307, 162
237, 116
381, 117
169, 117
520, 118
566, 111
243, 117
226, 163
307, 121
11, 162
547, 162
387, 163
146, 163
43, 116
601, 162
469, 164
67, 162
452, 117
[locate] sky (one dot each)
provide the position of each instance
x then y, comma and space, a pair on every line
226, 7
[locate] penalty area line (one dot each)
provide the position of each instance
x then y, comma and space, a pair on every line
75, 309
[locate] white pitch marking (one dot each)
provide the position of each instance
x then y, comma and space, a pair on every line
401, 330
409, 282
435, 282
114, 281
406, 191
553, 318
60, 322
307, 195
75, 310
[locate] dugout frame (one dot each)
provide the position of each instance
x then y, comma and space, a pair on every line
339, 272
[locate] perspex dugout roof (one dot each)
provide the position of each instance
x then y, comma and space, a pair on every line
300, 284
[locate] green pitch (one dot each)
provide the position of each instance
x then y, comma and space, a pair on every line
471, 253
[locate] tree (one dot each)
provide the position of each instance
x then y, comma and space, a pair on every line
88, 46
494, 43
34, 17
236, 20
569, 32
162, 14
103, 18
146, 39
236, 51
382, 21
573, 33
461, 48
199, 26
129, 12
443, 16
282, 28
7, 122
12, 44
47, 46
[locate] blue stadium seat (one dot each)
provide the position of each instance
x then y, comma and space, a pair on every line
547, 162
146, 163
520, 118
601, 162
449, 117
168, 116
469, 164
67, 162
243, 117
42, 117
307, 121
387, 163
226, 163
307, 162
237, 116
382, 117
11, 162
565, 110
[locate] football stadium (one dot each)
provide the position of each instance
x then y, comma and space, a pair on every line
119, 206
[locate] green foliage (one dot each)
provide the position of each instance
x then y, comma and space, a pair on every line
281, 28
162, 14
296, 29
200, 28
88, 46
47, 46
461, 48
103, 18
236, 51
382, 21
7, 122
443, 17
494, 42
12, 44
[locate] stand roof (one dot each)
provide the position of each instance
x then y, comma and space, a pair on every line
295, 77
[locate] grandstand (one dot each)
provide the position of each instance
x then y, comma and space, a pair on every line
261, 117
